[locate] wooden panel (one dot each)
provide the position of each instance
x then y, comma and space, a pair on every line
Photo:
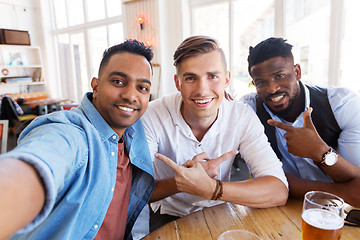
350, 233
269, 223
193, 226
222, 218
166, 232
293, 209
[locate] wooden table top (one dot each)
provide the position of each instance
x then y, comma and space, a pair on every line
269, 223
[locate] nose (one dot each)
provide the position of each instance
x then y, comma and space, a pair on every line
273, 87
129, 93
202, 86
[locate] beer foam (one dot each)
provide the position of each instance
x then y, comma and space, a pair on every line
322, 219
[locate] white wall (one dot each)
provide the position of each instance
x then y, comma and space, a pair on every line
171, 34
173, 28
27, 15
168, 29
21, 15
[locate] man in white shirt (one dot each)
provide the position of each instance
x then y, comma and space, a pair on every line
188, 131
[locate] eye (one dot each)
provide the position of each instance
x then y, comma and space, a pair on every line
281, 75
119, 82
144, 88
259, 83
190, 78
213, 76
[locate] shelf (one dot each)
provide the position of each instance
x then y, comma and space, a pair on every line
22, 84
20, 66
22, 62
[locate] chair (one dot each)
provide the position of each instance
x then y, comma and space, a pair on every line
16, 121
3, 135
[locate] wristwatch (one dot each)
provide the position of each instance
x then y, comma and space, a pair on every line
329, 158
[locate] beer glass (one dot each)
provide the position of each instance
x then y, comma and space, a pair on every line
322, 216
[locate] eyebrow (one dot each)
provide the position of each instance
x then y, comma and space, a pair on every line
275, 73
188, 74
124, 75
207, 73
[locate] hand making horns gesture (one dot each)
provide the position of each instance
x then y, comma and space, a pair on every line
305, 141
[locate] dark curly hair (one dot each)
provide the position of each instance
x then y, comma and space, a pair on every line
131, 46
269, 48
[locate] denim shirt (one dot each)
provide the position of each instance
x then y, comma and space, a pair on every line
75, 154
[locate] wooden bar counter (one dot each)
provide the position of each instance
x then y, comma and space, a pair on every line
269, 223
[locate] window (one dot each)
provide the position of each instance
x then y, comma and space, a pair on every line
84, 29
236, 24
323, 34
308, 30
350, 48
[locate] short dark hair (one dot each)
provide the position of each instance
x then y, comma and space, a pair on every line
269, 48
195, 46
131, 46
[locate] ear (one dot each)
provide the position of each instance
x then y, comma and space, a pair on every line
297, 70
227, 79
94, 85
177, 82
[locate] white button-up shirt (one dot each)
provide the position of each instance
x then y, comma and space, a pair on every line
237, 127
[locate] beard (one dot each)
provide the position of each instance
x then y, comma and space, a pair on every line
285, 112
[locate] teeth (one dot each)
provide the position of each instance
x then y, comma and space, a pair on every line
276, 99
125, 109
202, 101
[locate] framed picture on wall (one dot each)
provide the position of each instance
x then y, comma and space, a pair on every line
3, 135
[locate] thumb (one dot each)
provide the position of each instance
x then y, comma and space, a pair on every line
307, 119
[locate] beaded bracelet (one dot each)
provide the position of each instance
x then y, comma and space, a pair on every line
221, 191
218, 190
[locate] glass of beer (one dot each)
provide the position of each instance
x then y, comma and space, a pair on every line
322, 216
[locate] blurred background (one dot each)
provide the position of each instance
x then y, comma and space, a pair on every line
70, 36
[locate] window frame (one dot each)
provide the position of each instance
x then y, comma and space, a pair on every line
84, 29
336, 21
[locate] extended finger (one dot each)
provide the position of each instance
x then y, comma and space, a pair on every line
280, 125
168, 161
200, 157
307, 119
222, 158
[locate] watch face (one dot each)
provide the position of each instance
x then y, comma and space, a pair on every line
331, 159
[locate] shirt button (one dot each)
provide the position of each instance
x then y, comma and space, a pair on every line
112, 153
199, 145
96, 226
112, 189
114, 137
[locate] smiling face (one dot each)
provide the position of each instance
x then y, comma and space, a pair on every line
277, 84
121, 93
202, 80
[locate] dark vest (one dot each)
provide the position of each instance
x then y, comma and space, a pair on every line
322, 117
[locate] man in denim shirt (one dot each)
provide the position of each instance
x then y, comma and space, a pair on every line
65, 179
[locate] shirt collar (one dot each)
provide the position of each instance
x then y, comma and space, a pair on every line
181, 123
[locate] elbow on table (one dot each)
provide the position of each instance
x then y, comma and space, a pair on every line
283, 199
275, 198
281, 196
